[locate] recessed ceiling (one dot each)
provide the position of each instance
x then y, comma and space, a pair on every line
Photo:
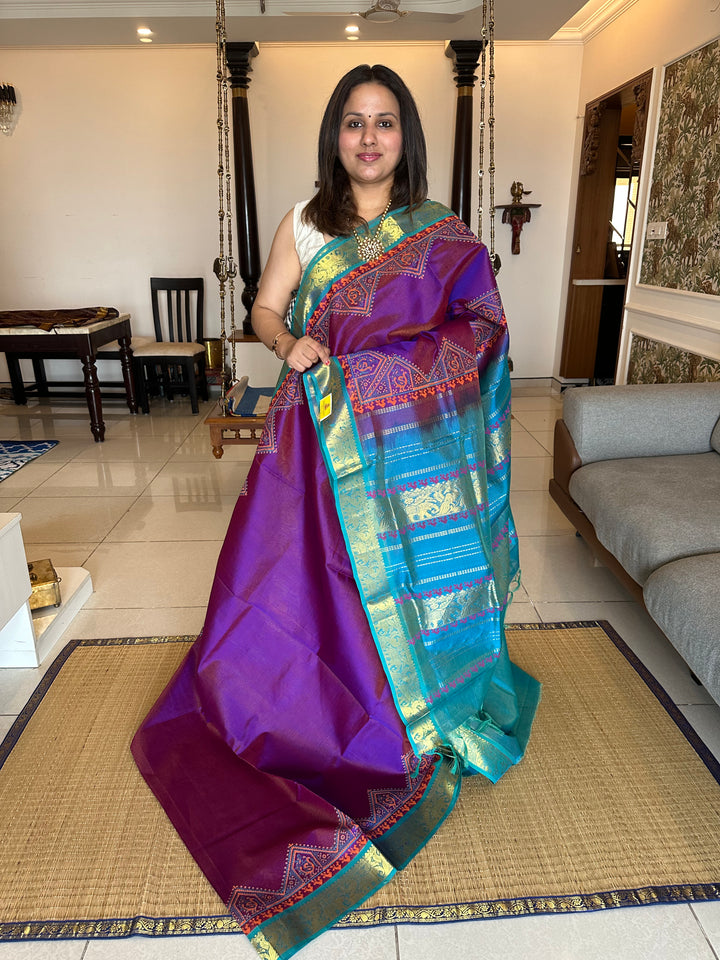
115, 22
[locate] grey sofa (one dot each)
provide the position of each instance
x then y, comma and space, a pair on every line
637, 472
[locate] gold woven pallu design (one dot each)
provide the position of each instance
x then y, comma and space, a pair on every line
617, 804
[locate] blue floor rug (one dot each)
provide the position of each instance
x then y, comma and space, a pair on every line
16, 453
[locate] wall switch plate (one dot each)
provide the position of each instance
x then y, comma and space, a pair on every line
657, 231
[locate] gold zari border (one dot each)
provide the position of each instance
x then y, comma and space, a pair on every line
378, 916
112, 929
298, 924
529, 906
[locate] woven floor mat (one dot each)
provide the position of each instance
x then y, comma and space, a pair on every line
616, 803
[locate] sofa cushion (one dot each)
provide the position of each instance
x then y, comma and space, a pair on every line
682, 598
715, 438
641, 420
648, 511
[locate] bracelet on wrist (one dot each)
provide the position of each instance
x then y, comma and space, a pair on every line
273, 345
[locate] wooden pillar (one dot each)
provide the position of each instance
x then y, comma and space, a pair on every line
465, 55
238, 61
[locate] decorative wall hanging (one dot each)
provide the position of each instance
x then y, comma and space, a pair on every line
517, 213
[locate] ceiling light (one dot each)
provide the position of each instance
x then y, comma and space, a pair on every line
352, 37
352, 29
145, 39
144, 32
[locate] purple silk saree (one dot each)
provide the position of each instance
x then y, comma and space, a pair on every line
352, 666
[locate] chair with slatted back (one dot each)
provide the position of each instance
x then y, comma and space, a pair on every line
175, 361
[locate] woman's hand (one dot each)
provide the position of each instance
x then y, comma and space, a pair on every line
302, 354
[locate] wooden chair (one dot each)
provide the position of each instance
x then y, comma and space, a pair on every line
175, 361
111, 351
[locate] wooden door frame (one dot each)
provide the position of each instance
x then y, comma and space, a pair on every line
592, 215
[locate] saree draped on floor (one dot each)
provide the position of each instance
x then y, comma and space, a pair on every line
352, 666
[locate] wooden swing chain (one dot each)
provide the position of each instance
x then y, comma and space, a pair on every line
487, 126
224, 267
481, 142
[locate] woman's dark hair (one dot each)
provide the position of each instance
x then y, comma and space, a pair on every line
332, 210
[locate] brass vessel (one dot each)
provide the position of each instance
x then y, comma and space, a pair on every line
214, 353
45, 585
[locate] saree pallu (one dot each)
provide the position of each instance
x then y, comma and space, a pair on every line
352, 666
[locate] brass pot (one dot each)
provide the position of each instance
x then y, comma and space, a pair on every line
214, 353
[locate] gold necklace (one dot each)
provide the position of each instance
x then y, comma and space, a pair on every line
371, 247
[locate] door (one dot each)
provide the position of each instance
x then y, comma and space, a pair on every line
610, 167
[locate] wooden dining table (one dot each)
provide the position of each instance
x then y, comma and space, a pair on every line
81, 342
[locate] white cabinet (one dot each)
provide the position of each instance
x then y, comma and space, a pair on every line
26, 638
17, 637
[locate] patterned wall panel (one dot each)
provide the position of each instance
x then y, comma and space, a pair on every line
685, 190
652, 361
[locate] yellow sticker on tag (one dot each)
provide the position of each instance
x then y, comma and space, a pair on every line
325, 407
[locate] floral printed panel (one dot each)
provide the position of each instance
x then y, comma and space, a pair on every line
652, 361
685, 191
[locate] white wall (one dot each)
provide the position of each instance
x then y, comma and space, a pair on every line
110, 175
536, 100
649, 35
108, 179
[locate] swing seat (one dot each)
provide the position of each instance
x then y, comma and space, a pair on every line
245, 424
246, 401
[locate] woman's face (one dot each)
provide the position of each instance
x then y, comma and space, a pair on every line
370, 143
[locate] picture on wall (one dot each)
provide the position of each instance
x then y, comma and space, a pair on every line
685, 189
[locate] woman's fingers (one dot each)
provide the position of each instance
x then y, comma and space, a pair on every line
305, 353
323, 353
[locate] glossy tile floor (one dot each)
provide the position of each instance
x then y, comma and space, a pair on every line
146, 511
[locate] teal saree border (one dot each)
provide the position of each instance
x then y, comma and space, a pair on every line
442, 717
320, 382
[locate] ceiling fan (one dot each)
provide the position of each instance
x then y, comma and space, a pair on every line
382, 11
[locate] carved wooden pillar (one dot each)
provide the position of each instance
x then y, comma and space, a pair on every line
591, 138
465, 55
238, 61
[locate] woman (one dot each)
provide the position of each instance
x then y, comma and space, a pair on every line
352, 665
